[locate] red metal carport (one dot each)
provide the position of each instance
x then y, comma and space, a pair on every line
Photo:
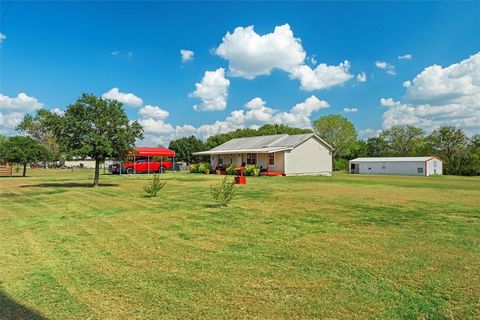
153, 152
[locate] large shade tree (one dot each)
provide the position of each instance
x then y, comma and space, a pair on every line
450, 144
39, 127
96, 128
339, 133
472, 166
402, 141
22, 150
185, 147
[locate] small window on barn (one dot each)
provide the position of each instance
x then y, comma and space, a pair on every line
271, 159
420, 170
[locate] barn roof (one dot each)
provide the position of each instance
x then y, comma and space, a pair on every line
394, 159
262, 144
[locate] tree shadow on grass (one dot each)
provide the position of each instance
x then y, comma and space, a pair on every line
214, 205
69, 185
11, 309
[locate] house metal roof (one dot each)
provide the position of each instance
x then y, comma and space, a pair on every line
393, 159
261, 144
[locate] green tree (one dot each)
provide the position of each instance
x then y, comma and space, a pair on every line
360, 150
22, 150
376, 147
450, 145
402, 140
96, 128
269, 129
472, 164
339, 133
39, 127
184, 147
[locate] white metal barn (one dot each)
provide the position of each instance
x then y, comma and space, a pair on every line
411, 166
280, 154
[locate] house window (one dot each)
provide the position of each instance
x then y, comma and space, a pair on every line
220, 160
271, 159
251, 158
420, 170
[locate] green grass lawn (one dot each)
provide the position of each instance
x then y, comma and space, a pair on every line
341, 247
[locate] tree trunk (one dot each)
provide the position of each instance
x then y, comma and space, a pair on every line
97, 172
333, 161
24, 169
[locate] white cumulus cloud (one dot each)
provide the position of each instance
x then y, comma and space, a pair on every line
389, 68
22, 103
57, 111
322, 77
254, 114
250, 55
13, 109
125, 98
362, 77
212, 90
364, 134
440, 96
407, 56
154, 112
187, 55
8, 122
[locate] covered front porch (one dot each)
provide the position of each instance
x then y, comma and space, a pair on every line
270, 163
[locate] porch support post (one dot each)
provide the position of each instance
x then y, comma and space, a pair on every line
148, 164
268, 163
134, 165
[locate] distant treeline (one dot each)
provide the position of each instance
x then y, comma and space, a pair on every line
460, 153
43, 139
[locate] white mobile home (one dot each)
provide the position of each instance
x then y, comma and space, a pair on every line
280, 154
411, 166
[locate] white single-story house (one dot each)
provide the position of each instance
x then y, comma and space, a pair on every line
411, 166
280, 154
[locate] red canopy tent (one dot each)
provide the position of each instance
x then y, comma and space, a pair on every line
152, 152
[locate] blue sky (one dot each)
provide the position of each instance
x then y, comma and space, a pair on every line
54, 51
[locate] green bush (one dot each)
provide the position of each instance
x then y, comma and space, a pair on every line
224, 191
193, 168
231, 169
341, 165
204, 167
154, 186
251, 170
